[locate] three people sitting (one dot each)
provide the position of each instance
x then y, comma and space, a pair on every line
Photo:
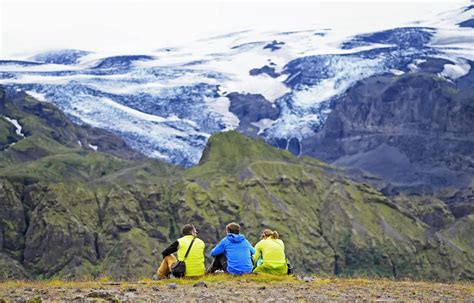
234, 254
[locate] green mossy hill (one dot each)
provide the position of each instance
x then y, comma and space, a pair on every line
70, 212
230, 151
47, 131
330, 224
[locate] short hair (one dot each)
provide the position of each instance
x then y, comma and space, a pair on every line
233, 228
188, 229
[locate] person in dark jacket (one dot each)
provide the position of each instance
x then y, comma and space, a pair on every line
233, 254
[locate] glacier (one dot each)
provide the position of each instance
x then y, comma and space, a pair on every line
167, 102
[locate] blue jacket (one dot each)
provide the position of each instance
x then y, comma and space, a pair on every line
238, 252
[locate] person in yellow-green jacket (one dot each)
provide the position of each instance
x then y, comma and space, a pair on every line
195, 259
270, 254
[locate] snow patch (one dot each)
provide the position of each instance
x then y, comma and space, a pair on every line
144, 116
397, 72
419, 61
159, 155
220, 106
133, 112
37, 96
412, 67
235, 65
343, 78
454, 71
17, 125
270, 88
292, 125
263, 125
94, 147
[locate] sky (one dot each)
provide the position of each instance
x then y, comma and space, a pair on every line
32, 26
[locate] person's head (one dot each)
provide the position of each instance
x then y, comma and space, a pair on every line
232, 228
189, 230
269, 234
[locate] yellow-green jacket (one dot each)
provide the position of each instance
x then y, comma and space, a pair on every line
272, 252
195, 260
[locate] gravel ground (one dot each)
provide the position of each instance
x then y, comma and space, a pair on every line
199, 291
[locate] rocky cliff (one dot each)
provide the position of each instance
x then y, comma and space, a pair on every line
412, 133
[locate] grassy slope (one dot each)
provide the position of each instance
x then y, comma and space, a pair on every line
72, 212
52, 189
329, 223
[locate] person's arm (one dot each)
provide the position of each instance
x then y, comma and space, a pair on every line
251, 248
282, 244
203, 247
170, 249
258, 252
219, 249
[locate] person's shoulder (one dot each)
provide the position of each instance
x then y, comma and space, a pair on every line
223, 241
199, 241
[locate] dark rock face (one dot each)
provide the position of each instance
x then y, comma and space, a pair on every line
405, 37
459, 200
466, 81
66, 56
13, 212
251, 108
264, 70
433, 65
409, 130
413, 134
467, 23
47, 230
294, 146
122, 61
274, 45
11, 269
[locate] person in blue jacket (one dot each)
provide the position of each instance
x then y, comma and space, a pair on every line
233, 254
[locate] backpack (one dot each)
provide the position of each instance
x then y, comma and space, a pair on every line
178, 269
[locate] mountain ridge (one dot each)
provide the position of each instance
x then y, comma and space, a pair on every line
116, 220
358, 148
167, 102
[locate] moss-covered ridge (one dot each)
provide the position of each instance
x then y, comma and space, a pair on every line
229, 151
330, 223
73, 212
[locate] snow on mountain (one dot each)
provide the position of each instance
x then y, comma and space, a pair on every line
64, 57
17, 125
167, 102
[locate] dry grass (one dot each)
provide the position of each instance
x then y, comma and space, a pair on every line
106, 282
249, 288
